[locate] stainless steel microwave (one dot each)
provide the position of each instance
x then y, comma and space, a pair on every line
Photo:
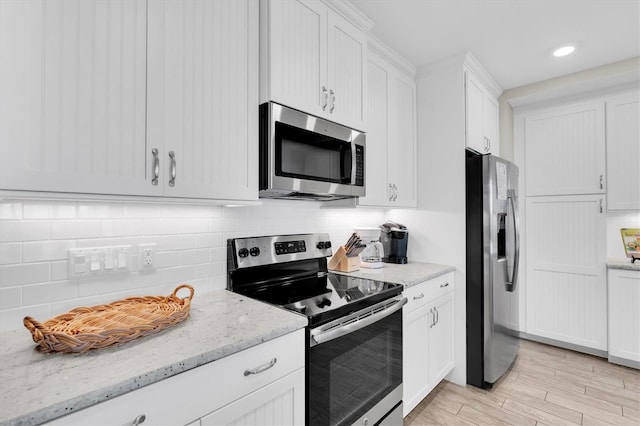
307, 157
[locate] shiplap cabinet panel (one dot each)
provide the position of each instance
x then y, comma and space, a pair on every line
72, 110
481, 116
624, 317
391, 137
565, 150
203, 96
314, 60
566, 295
623, 152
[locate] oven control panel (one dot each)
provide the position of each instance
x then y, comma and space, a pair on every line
258, 251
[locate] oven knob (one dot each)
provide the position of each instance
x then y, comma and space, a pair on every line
320, 245
243, 252
254, 251
327, 244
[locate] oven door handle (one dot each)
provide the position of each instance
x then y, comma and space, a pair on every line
333, 330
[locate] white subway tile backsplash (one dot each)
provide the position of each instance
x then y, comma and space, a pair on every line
46, 250
10, 253
53, 291
80, 228
10, 210
194, 257
28, 230
24, 273
10, 297
191, 247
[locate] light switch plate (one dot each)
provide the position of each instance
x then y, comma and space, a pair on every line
94, 261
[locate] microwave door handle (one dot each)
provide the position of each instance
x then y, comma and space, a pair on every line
319, 335
511, 284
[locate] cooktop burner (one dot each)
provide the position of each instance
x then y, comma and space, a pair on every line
291, 271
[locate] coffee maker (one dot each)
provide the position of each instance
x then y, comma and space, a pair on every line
394, 238
371, 256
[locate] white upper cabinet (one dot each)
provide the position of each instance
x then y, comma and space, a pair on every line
203, 97
391, 137
567, 145
481, 116
623, 152
72, 109
130, 98
313, 59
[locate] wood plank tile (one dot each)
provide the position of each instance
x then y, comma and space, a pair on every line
463, 394
475, 416
436, 416
585, 400
551, 383
549, 407
590, 410
632, 400
631, 413
598, 377
539, 415
626, 374
592, 421
518, 388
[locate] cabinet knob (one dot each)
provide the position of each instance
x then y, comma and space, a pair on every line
139, 420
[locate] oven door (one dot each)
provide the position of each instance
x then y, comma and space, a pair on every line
355, 367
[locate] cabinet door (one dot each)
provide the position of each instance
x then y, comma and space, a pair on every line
279, 403
202, 91
346, 62
441, 339
565, 150
566, 296
297, 52
415, 356
72, 110
623, 153
474, 114
490, 127
377, 159
624, 315
401, 148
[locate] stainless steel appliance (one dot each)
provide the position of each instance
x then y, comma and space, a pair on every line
306, 157
354, 336
394, 237
492, 250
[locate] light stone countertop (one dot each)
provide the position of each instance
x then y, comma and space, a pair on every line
623, 264
408, 275
36, 387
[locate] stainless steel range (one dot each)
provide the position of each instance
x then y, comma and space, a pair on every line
354, 336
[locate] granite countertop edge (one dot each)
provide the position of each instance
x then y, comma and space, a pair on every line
408, 274
624, 264
196, 349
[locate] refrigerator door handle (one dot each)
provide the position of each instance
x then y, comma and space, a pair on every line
511, 284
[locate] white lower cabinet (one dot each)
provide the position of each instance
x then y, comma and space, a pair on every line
260, 385
427, 328
624, 317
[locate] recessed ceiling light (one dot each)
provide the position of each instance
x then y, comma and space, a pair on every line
564, 51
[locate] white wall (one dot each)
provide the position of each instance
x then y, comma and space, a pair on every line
191, 247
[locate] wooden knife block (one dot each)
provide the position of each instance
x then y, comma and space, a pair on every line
340, 262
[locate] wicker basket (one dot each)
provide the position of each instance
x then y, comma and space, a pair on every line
82, 329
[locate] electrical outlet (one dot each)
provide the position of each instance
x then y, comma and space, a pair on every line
147, 256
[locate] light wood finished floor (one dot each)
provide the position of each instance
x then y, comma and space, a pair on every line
545, 386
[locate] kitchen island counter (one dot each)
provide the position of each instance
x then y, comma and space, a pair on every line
408, 275
37, 387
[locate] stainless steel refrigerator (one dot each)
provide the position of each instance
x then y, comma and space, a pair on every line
492, 249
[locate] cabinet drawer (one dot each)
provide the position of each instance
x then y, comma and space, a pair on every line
187, 396
427, 291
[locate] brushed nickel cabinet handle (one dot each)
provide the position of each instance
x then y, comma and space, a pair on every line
261, 368
420, 296
156, 167
325, 98
172, 180
601, 181
390, 192
444, 285
139, 420
333, 101
601, 205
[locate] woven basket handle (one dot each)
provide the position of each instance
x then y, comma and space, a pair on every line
180, 287
37, 329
